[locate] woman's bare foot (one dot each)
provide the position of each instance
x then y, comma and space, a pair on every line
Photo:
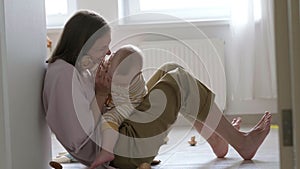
103, 157
255, 137
218, 144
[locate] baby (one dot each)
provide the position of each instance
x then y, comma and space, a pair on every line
127, 91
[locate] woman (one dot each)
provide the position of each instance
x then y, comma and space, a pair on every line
71, 100
69, 97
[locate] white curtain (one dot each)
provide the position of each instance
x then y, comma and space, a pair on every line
252, 52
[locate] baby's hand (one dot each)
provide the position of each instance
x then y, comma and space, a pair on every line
103, 157
102, 80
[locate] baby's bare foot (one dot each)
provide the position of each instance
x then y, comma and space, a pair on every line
218, 144
255, 137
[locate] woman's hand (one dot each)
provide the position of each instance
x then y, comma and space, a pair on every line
103, 79
102, 159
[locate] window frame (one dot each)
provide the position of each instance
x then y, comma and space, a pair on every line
131, 8
58, 20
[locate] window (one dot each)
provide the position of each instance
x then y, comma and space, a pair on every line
58, 11
183, 9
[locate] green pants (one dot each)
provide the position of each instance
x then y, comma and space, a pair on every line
171, 90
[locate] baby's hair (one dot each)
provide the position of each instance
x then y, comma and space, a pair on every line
129, 56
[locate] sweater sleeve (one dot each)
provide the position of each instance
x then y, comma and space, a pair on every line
114, 117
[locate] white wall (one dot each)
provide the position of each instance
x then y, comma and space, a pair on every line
3, 159
24, 136
109, 9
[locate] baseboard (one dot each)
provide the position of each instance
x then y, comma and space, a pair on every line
181, 121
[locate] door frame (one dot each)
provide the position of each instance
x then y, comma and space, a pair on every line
294, 25
287, 29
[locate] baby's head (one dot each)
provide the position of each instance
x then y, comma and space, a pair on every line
126, 64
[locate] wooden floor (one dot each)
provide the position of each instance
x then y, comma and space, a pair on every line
178, 154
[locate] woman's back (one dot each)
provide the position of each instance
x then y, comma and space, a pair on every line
67, 99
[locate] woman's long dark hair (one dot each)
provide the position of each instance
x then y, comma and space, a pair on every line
83, 26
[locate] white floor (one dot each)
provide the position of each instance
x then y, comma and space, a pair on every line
178, 154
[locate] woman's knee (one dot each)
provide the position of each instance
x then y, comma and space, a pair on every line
169, 66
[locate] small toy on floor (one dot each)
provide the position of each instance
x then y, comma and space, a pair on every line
155, 162
166, 139
64, 157
193, 141
55, 165
144, 166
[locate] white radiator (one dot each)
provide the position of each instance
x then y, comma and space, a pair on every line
203, 58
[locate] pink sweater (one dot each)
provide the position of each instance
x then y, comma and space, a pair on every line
67, 98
